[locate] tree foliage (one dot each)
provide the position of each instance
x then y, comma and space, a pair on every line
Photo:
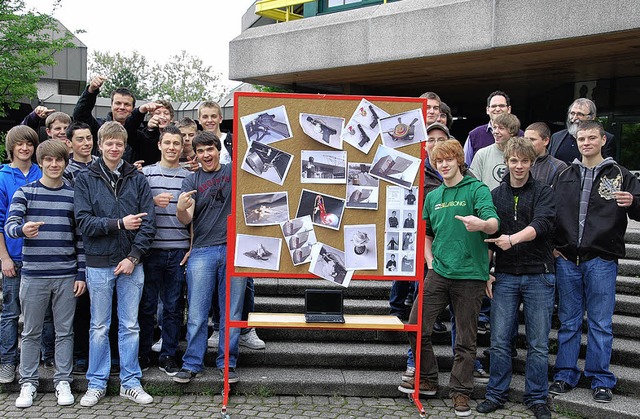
183, 78
28, 41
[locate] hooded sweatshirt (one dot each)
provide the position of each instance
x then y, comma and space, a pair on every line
11, 179
458, 253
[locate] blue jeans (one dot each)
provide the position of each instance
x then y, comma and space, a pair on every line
101, 283
536, 292
590, 286
163, 275
206, 272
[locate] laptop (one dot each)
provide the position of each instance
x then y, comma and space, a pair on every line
323, 306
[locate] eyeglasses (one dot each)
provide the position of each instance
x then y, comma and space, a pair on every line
578, 114
500, 105
433, 140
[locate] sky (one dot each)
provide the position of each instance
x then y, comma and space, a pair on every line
156, 29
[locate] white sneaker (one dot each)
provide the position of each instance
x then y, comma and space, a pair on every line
212, 342
251, 340
92, 397
63, 393
136, 394
27, 392
157, 347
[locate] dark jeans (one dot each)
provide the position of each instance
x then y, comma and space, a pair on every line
163, 276
399, 292
465, 297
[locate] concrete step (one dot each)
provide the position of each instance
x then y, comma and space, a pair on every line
629, 267
267, 382
624, 351
632, 250
628, 285
628, 305
632, 235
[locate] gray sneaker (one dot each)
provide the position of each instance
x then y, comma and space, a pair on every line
7, 373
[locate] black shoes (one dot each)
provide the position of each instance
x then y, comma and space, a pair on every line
541, 411
169, 366
483, 328
488, 406
439, 327
560, 387
184, 376
602, 394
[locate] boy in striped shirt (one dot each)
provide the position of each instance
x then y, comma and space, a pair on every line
164, 271
41, 213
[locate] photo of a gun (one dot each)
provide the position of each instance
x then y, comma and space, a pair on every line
266, 124
327, 131
364, 138
375, 117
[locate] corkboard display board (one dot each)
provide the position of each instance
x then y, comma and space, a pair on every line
247, 183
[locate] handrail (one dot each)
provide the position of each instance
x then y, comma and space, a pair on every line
279, 10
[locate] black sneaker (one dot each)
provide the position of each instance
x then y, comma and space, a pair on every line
541, 411
115, 368
560, 387
169, 366
184, 376
488, 406
80, 367
233, 375
483, 328
602, 394
439, 327
48, 364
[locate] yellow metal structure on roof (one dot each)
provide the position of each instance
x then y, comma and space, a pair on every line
280, 10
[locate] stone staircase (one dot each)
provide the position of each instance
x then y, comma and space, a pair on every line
370, 363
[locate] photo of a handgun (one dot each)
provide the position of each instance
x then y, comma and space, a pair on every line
266, 124
364, 138
375, 117
327, 131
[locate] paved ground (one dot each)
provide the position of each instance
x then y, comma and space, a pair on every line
280, 407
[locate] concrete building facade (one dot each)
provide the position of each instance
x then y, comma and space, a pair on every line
543, 53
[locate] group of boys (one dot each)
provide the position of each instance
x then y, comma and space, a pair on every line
99, 238
518, 226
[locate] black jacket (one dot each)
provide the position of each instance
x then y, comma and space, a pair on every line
535, 207
98, 207
605, 223
83, 113
609, 149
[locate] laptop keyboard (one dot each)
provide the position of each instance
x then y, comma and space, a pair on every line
323, 318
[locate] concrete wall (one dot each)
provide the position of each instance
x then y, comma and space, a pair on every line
399, 30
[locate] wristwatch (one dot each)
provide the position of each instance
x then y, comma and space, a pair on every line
133, 259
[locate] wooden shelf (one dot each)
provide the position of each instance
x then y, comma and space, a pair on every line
351, 321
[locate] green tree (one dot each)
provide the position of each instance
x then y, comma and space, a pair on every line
183, 78
28, 41
130, 71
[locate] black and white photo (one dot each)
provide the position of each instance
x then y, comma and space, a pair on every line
299, 236
362, 188
326, 130
257, 252
265, 208
395, 166
267, 126
363, 128
267, 162
323, 166
329, 263
360, 247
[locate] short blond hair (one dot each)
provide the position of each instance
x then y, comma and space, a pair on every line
112, 130
55, 149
